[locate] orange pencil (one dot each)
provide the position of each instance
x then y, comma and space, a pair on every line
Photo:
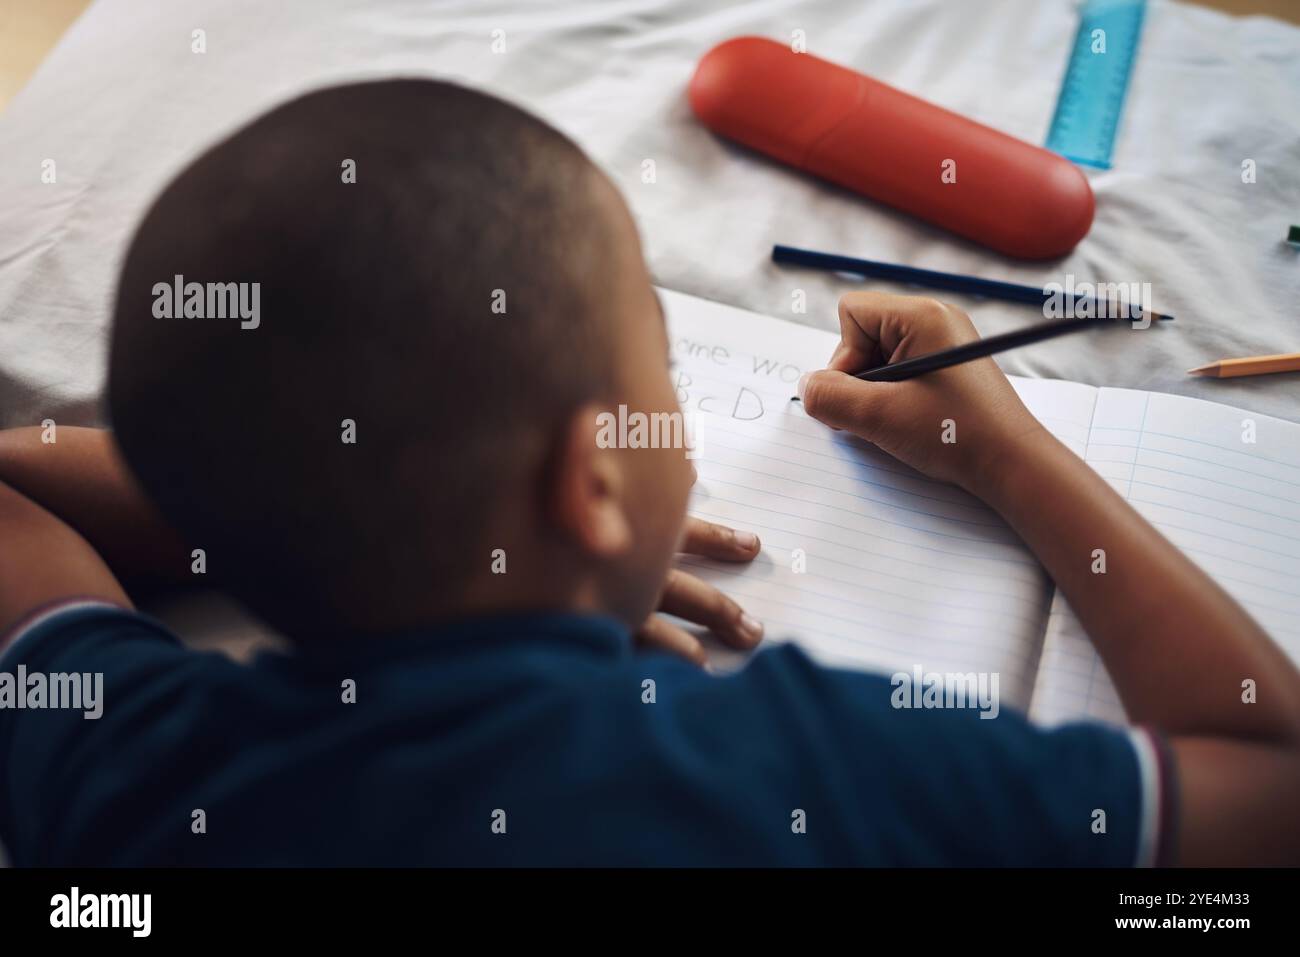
1250, 365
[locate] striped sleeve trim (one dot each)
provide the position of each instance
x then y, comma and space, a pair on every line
15, 636
1158, 823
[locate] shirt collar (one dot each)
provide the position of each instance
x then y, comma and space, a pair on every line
600, 635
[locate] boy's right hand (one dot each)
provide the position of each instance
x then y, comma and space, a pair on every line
972, 404
1236, 769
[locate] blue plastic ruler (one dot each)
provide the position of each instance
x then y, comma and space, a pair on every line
1092, 94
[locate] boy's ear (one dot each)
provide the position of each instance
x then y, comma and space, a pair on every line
589, 488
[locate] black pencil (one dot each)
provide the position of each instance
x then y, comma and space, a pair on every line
980, 348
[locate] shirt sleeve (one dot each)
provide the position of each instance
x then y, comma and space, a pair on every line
943, 786
93, 698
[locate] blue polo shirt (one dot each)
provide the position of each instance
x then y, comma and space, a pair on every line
539, 740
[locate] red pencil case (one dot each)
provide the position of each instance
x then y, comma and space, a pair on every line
830, 121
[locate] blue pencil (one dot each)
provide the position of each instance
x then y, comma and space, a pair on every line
972, 285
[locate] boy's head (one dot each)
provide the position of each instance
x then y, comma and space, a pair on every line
448, 293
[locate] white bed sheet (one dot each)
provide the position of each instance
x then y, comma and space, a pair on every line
122, 103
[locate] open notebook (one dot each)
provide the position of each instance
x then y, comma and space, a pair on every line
899, 570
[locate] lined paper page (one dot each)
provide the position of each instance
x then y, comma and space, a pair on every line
1231, 504
865, 562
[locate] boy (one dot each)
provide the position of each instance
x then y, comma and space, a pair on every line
411, 412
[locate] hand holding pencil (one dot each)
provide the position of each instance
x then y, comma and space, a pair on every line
954, 424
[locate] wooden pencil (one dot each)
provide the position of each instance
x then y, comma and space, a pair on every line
1249, 365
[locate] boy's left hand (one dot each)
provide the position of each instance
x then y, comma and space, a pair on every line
690, 598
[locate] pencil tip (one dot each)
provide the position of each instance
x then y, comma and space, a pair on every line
1202, 370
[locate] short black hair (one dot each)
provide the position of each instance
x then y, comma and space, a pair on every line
381, 302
